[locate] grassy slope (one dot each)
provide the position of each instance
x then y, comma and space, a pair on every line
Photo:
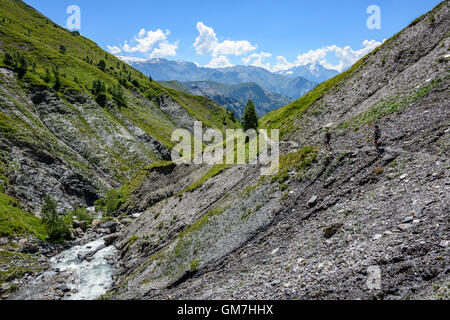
16, 222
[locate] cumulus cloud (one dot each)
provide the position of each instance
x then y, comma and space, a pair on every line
345, 56
165, 49
145, 42
311, 56
114, 49
282, 64
235, 48
257, 60
207, 43
219, 62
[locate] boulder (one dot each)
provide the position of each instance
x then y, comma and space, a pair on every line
330, 231
96, 223
329, 181
80, 224
109, 240
78, 232
111, 226
313, 201
63, 288
29, 245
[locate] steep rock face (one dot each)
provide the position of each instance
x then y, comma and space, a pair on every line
70, 147
345, 224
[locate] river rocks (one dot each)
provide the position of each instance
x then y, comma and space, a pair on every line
96, 223
63, 288
108, 227
80, 224
29, 245
78, 232
5, 287
109, 240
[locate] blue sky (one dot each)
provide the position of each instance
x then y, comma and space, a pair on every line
273, 34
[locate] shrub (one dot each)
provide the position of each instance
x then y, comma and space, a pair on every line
111, 203
195, 264
117, 93
21, 65
8, 60
57, 84
136, 83
98, 87
62, 49
48, 76
102, 65
56, 225
82, 214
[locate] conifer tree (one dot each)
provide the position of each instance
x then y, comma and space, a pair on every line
250, 119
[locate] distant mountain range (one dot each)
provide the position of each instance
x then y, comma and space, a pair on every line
312, 72
233, 97
287, 84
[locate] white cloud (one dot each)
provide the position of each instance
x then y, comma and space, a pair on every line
131, 59
150, 42
114, 49
282, 64
256, 59
235, 48
165, 49
208, 43
145, 41
311, 56
219, 62
346, 57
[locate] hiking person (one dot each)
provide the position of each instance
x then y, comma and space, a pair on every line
327, 140
377, 137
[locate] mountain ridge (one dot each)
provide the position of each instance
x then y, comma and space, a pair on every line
167, 70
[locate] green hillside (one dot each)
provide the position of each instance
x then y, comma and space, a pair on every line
75, 121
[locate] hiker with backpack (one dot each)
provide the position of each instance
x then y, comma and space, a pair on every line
377, 137
327, 140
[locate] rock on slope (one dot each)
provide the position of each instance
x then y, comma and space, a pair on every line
346, 224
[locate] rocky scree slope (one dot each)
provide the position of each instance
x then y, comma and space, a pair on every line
62, 136
330, 222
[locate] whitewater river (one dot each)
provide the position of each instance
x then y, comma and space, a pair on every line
93, 276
